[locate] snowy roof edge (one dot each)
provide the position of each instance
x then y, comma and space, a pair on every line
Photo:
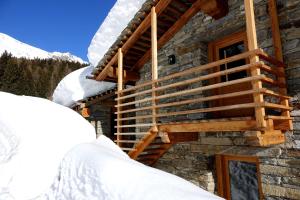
125, 34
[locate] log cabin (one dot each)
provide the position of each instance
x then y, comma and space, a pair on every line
204, 91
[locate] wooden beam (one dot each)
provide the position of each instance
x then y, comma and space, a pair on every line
160, 7
154, 61
127, 75
120, 88
171, 32
275, 30
278, 54
209, 126
252, 45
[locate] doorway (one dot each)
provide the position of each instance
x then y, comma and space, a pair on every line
228, 46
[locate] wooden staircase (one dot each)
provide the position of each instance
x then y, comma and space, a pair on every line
148, 147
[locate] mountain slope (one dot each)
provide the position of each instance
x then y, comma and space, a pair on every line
21, 50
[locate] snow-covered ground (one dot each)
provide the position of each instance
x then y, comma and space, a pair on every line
115, 22
35, 134
22, 50
75, 86
49, 152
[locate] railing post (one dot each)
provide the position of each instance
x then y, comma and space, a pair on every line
120, 88
252, 44
278, 54
154, 63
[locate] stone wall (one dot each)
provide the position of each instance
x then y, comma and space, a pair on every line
195, 161
101, 119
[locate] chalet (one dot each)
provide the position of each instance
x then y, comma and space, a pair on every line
207, 90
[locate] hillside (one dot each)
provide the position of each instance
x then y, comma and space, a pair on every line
21, 50
33, 77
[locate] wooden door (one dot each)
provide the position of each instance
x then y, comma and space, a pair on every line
226, 47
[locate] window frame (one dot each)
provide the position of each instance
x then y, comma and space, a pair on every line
222, 171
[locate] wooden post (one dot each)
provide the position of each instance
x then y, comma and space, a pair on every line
120, 88
154, 62
278, 54
252, 44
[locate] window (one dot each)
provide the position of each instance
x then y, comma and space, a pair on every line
238, 177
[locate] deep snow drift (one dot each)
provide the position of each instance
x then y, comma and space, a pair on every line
22, 50
115, 22
35, 134
41, 157
100, 170
75, 86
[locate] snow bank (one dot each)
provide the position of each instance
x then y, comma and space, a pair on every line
35, 134
100, 170
75, 86
115, 22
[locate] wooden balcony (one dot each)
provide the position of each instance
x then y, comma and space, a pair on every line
160, 108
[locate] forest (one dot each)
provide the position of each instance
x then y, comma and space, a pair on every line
37, 77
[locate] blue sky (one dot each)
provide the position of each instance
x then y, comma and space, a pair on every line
54, 25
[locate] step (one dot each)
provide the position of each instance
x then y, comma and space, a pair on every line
128, 149
127, 141
278, 117
133, 133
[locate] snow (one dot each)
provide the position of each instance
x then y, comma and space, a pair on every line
35, 134
75, 86
22, 50
115, 22
100, 170
49, 152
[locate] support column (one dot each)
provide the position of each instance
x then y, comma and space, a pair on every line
278, 55
120, 88
154, 63
252, 44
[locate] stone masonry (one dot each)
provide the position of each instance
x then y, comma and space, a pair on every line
195, 161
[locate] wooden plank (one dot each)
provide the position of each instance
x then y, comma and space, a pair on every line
278, 117
196, 69
204, 88
201, 110
133, 133
143, 144
278, 53
276, 106
120, 88
183, 137
191, 101
272, 93
194, 80
85, 112
127, 75
210, 126
102, 75
160, 7
275, 30
127, 141
128, 149
133, 125
154, 60
220, 174
172, 31
252, 45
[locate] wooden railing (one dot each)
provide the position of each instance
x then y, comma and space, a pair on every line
190, 95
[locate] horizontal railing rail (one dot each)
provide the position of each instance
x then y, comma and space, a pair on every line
174, 93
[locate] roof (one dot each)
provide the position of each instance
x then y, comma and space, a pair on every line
135, 39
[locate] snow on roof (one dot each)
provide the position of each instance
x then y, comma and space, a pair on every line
115, 22
75, 86
35, 134
100, 170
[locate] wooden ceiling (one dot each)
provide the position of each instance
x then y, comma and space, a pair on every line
172, 15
